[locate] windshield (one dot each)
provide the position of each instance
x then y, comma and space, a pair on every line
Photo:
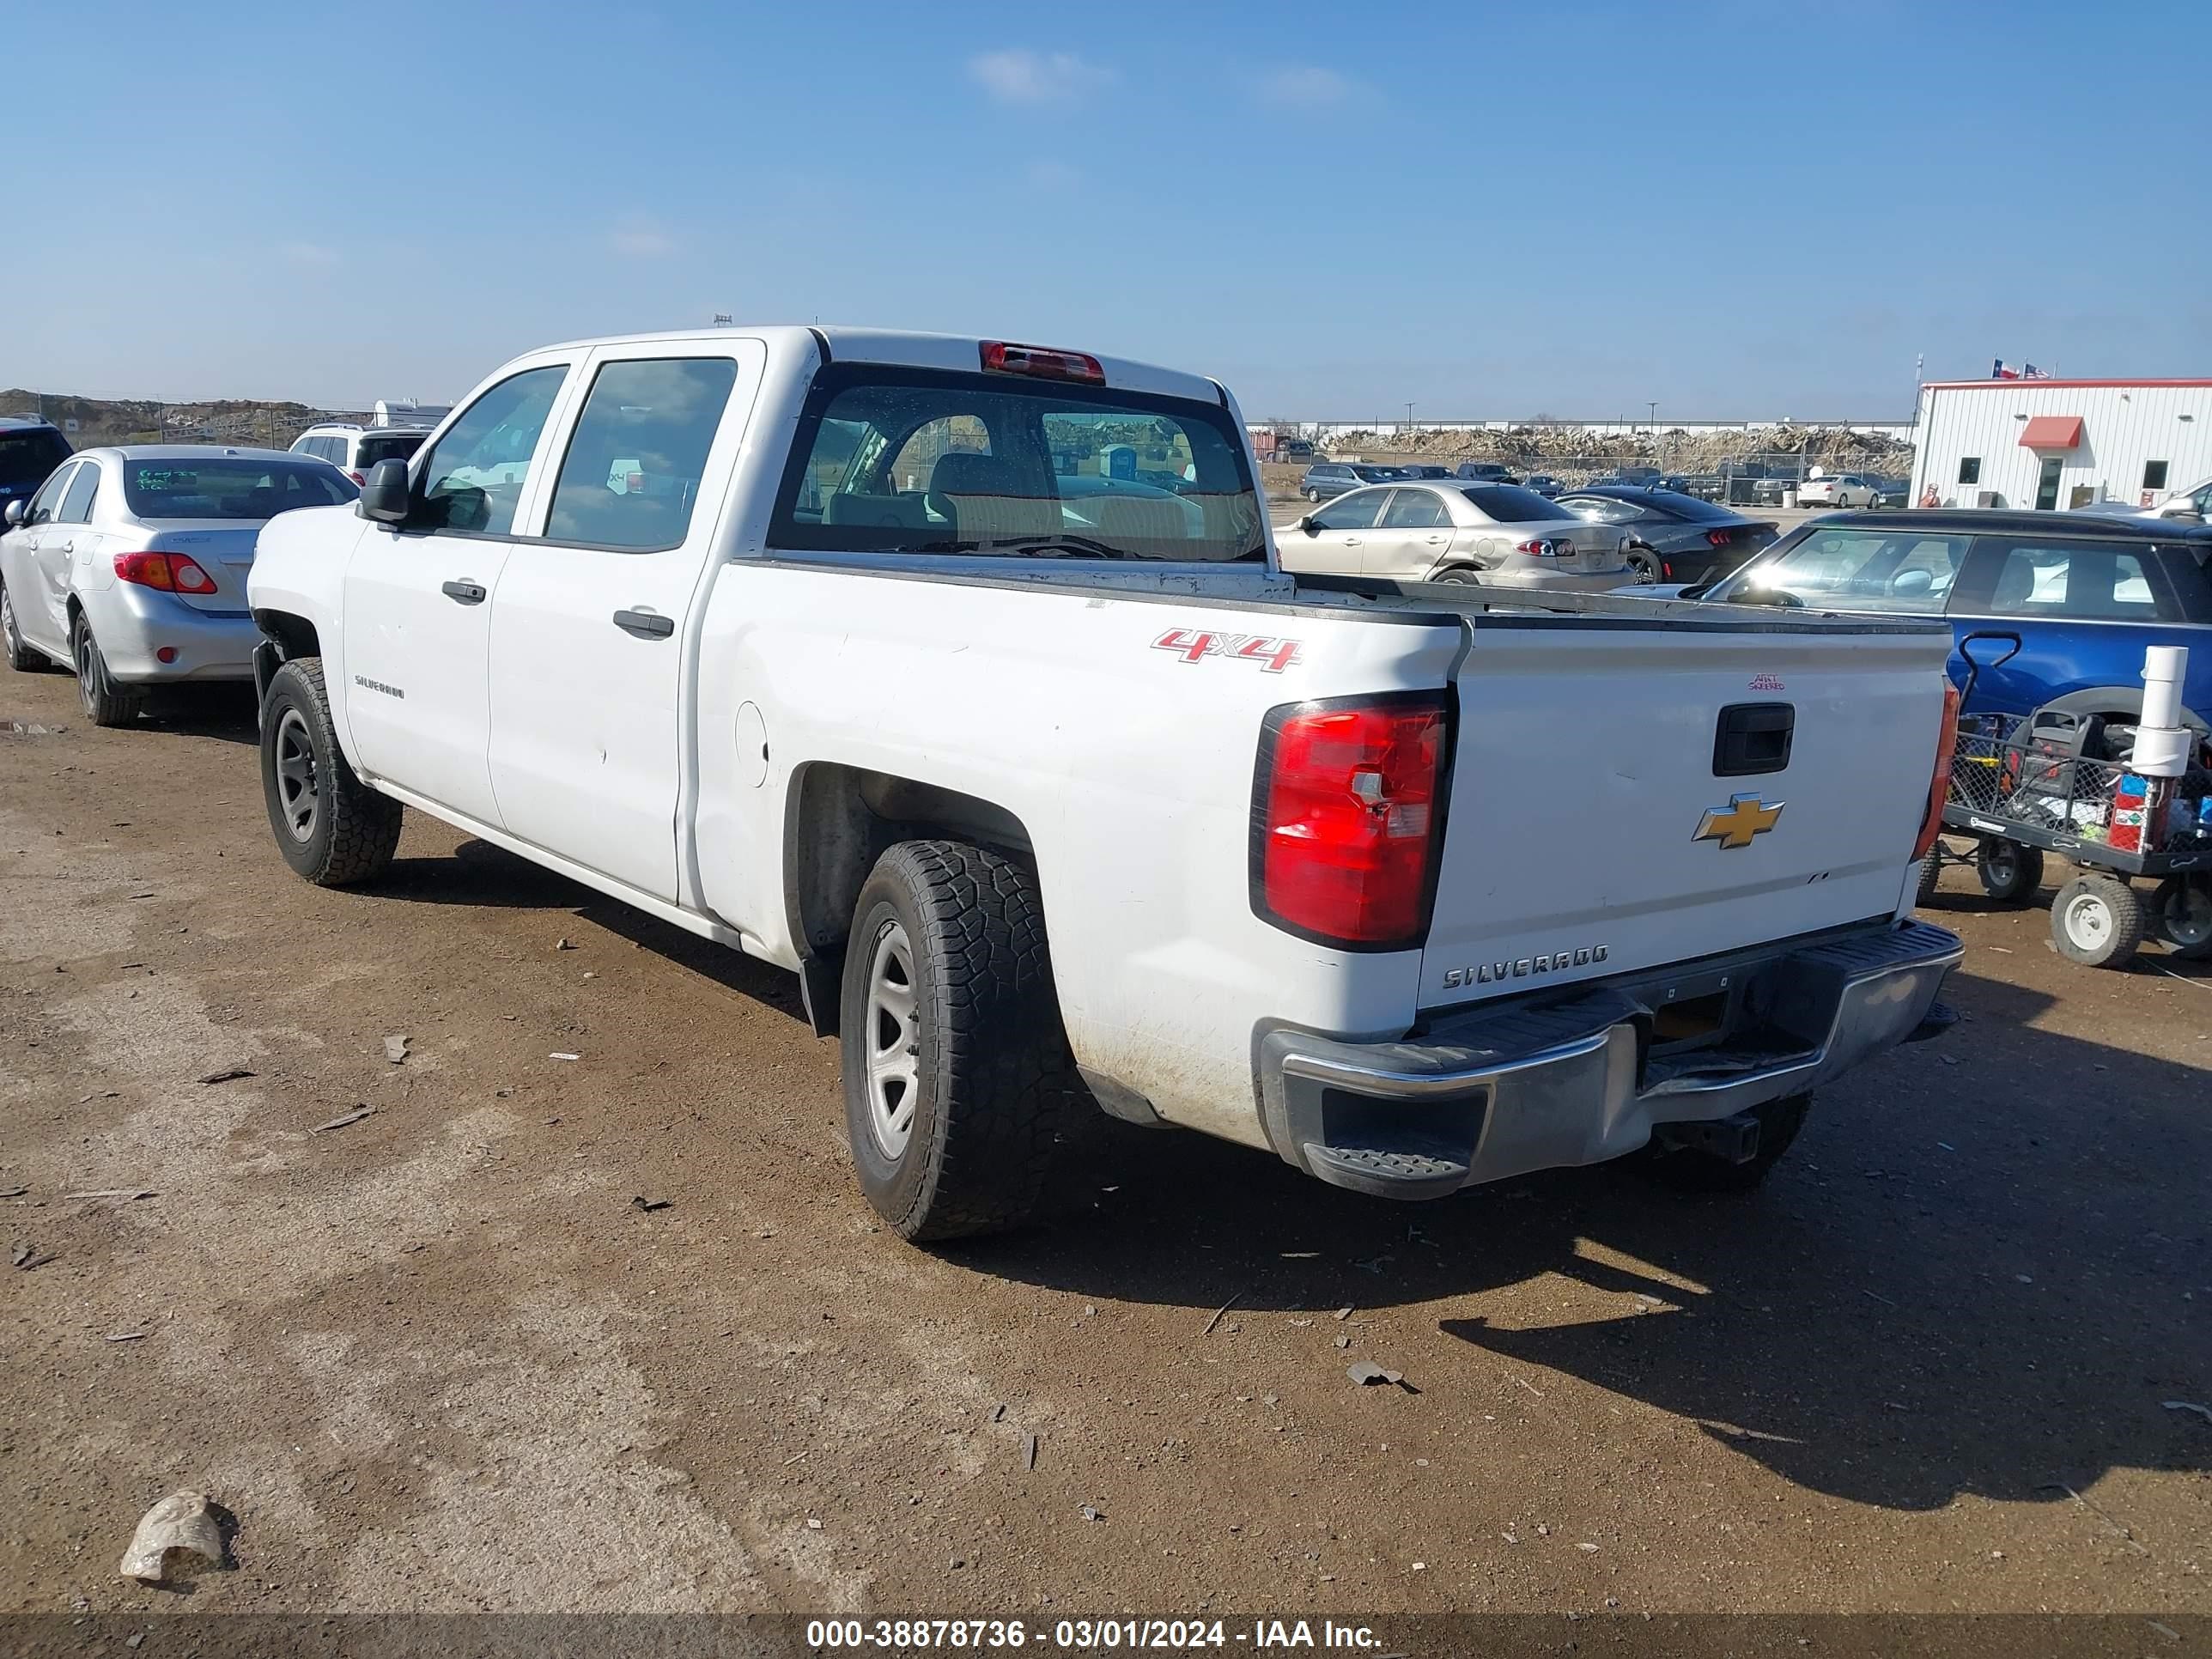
391, 446
230, 487
26, 458
1510, 504
1848, 569
906, 460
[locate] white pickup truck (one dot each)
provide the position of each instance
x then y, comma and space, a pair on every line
961, 678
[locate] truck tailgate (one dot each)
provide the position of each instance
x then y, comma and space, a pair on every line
1591, 828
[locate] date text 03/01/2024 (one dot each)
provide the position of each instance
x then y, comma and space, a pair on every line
1082, 1635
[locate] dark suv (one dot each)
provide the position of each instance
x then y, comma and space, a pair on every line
30, 449
1325, 480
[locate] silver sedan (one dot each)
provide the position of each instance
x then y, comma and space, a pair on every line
1453, 531
129, 565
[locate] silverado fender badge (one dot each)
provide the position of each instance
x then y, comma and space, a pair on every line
1735, 824
1196, 645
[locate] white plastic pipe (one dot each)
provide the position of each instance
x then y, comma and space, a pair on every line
2164, 668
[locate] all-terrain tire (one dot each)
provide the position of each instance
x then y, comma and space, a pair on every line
1693, 1171
1931, 873
23, 657
106, 701
986, 1058
2010, 872
330, 827
2097, 920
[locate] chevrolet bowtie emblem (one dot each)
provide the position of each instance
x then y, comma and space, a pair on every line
1735, 824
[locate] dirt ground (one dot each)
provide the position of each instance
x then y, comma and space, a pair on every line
437, 1358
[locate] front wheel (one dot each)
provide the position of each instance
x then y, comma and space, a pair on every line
21, 655
2097, 920
957, 1071
105, 702
330, 827
2183, 906
2010, 872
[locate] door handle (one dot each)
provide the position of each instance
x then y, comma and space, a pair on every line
1352, 541
646, 624
464, 591
1438, 541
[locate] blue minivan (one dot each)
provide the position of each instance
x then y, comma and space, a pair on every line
2085, 594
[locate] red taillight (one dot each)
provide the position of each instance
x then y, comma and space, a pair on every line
172, 572
1720, 538
1349, 815
1003, 357
1545, 549
1939, 787
360, 478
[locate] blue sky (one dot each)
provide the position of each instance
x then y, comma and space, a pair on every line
1741, 210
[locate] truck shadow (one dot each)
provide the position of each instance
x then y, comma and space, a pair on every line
1980, 1277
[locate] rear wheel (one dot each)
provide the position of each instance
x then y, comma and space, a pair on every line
2097, 920
1690, 1170
1645, 563
21, 655
330, 827
2010, 873
105, 702
1313, 494
2183, 909
957, 1070
1931, 874
1461, 578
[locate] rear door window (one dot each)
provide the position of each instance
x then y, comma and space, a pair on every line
1415, 509
2078, 580
76, 506
632, 475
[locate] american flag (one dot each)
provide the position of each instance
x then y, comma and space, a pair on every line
2030, 371
1999, 372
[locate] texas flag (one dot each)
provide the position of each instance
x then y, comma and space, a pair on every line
1999, 372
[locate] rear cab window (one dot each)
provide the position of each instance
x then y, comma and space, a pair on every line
891, 459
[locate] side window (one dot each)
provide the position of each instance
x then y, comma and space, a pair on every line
2093, 583
302, 445
1356, 511
472, 481
41, 509
636, 461
1414, 509
1970, 469
76, 506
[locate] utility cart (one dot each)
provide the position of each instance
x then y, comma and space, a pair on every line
2062, 781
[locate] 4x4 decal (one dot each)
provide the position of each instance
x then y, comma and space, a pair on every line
1196, 645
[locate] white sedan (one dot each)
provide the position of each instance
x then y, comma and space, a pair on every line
1838, 489
129, 565
1454, 530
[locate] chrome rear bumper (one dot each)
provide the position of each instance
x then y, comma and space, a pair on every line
1500, 1091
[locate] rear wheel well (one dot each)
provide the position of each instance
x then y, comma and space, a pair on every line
840, 821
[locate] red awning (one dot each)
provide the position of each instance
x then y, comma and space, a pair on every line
2052, 432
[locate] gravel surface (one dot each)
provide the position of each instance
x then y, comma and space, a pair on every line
437, 1357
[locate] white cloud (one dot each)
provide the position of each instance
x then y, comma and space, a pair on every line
1018, 76
640, 236
309, 253
1305, 86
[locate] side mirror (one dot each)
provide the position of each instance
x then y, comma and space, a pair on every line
15, 515
1305, 523
2184, 511
385, 498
